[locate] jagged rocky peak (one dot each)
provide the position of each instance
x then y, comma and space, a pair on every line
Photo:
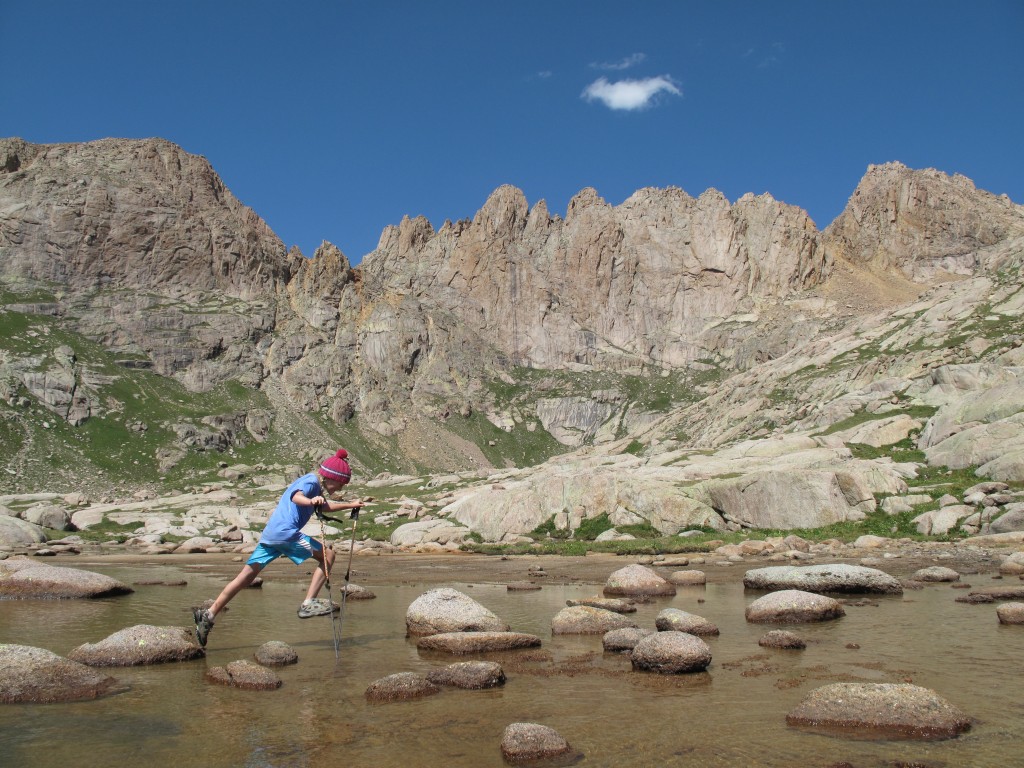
923, 223
132, 213
504, 214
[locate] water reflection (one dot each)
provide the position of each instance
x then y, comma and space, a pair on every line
733, 714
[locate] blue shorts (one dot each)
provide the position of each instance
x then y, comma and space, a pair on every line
296, 551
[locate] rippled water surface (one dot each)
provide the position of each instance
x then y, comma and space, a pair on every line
732, 715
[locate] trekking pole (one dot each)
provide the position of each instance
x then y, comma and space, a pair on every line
335, 627
348, 571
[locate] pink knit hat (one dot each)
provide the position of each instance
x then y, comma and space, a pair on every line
336, 468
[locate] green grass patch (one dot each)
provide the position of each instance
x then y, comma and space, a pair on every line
592, 527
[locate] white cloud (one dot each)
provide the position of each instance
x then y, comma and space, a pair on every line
626, 63
629, 94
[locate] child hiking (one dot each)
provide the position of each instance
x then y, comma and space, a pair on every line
283, 536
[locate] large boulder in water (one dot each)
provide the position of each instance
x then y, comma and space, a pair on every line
889, 710
586, 620
25, 579
448, 610
141, 644
36, 676
790, 606
823, 578
671, 653
637, 581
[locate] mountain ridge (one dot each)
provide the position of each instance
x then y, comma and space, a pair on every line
582, 328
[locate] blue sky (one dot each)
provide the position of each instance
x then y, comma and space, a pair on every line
334, 119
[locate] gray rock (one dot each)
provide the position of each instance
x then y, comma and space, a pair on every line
357, 592
790, 606
823, 578
448, 610
1001, 593
671, 653
688, 578
141, 644
624, 639
276, 654
36, 676
637, 581
470, 675
48, 516
16, 533
607, 603
24, 579
522, 586
1012, 520
936, 573
676, 620
780, 638
585, 620
889, 710
246, 675
941, 521
477, 642
403, 686
530, 742
1011, 613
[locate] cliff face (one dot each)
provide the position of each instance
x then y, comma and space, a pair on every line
131, 214
924, 223
612, 287
148, 253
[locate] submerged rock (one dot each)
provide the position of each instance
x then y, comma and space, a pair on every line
25, 579
527, 742
276, 654
823, 578
607, 603
470, 675
477, 642
448, 610
586, 620
780, 638
892, 710
246, 675
141, 644
402, 686
688, 578
36, 676
522, 586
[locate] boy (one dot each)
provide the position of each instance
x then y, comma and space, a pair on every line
283, 536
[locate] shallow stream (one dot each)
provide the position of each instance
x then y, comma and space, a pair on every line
732, 715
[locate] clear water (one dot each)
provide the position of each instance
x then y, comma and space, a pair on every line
732, 715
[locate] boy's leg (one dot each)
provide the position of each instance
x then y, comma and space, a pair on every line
319, 578
204, 619
244, 578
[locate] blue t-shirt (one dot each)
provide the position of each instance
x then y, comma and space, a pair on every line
287, 521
